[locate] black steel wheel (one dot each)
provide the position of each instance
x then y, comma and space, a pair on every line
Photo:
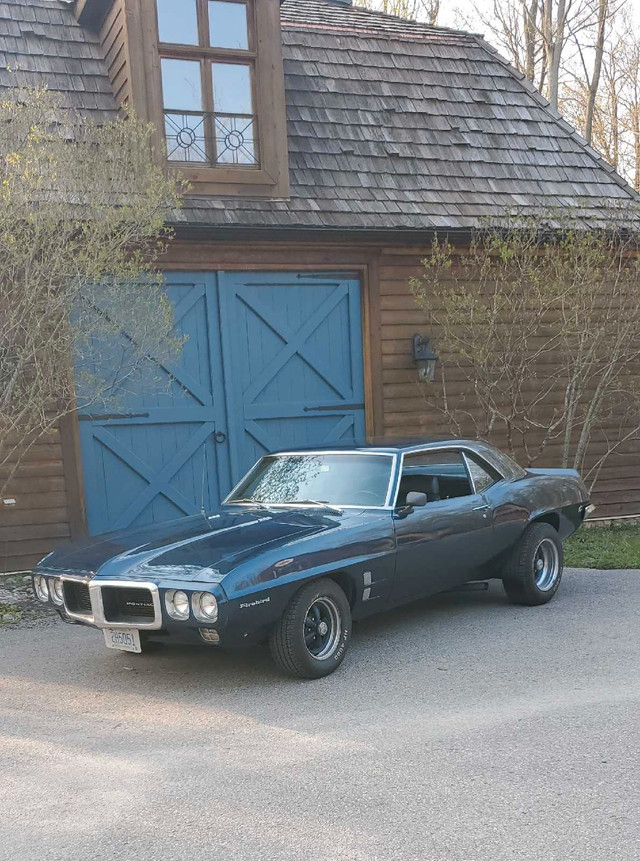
312, 637
533, 572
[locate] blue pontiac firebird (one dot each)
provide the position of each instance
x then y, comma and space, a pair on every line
310, 540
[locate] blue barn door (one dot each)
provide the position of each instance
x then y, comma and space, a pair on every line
144, 463
270, 361
293, 362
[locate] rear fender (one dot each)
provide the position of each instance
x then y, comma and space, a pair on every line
559, 498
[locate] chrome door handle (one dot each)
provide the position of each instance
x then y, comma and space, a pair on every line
481, 508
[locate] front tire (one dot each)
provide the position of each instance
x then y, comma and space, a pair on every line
533, 572
312, 637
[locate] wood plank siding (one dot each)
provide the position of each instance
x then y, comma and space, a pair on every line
617, 492
115, 48
48, 507
395, 400
47, 487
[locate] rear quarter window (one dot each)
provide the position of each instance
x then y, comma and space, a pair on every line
482, 474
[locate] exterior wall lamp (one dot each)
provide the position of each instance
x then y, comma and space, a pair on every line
425, 359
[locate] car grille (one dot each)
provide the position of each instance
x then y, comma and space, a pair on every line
76, 597
126, 604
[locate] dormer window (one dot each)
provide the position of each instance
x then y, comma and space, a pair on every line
207, 59
208, 74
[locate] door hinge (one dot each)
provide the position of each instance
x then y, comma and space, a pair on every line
334, 408
88, 417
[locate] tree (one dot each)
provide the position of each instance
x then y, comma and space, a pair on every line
82, 214
580, 55
593, 79
514, 25
540, 336
535, 35
629, 99
615, 128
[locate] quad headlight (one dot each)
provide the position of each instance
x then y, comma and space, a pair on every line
205, 606
41, 588
55, 590
177, 603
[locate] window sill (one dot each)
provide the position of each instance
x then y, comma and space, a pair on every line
231, 181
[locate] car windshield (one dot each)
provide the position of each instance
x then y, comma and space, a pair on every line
335, 479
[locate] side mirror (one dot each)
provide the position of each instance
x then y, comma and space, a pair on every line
416, 500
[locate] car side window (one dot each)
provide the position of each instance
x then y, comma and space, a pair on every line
439, 474
482, 474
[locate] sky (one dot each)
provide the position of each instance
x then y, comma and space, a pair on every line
453, 11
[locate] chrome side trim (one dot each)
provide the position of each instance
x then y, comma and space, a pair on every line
349, 452
465, 460
95, 591
310, 506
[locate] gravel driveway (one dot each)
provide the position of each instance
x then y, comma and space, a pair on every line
460, 729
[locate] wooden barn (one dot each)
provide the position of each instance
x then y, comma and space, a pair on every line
325, 144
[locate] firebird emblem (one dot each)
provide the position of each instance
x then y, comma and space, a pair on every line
255, 603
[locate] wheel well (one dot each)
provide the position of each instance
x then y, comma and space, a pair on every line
346, 583
552, 518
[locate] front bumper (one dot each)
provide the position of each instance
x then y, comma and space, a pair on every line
140, 603
120, 604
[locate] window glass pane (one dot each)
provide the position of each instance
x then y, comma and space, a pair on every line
178, 21
235, 141
439, 474
231, 88
181, 87
228, 25
185, 137
339, 479
482, 476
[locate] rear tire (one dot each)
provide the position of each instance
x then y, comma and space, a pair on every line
533, 572
313, 634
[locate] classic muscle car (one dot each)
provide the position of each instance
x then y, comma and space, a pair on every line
309, 541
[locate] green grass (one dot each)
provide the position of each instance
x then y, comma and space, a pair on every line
614, 547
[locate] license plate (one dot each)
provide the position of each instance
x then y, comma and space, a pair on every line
124, 639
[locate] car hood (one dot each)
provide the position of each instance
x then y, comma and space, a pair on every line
189, 548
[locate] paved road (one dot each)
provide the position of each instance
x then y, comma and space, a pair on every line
461, 729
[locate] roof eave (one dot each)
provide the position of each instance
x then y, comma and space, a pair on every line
199, 231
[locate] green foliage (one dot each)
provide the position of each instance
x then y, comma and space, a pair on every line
83, 209
608, 548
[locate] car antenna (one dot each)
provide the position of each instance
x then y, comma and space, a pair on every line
204, 473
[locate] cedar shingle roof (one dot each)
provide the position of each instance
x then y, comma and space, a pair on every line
399, 125
393, 125
42, 43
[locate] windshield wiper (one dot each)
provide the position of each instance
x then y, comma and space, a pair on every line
249, 502
320, 503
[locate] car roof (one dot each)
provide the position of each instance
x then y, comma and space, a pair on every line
392, 445
504, 464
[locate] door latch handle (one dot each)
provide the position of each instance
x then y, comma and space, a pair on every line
220, 437
481, 508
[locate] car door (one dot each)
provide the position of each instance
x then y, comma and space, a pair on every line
440, 544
